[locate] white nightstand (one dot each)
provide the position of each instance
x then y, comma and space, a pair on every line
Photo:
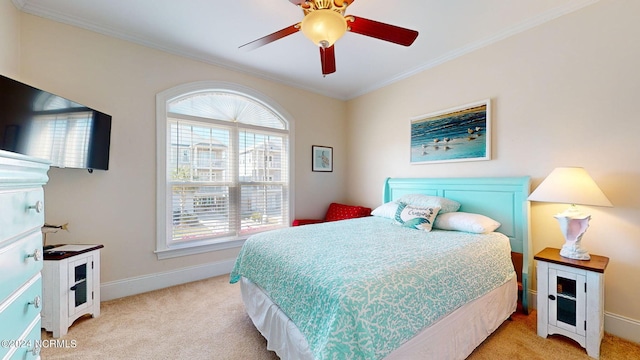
571, 298
71, 286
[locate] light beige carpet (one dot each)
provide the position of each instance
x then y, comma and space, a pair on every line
206, 320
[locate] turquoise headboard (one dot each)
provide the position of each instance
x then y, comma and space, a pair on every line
503, 199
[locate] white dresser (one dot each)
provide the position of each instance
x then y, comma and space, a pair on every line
21, 258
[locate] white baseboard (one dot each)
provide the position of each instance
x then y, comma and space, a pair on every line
622, 326
614, 324
141, 284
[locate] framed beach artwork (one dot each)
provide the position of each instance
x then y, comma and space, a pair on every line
462, 133
321, 158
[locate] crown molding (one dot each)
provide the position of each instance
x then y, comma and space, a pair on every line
571, 6
20, 4
518, 28
41, 11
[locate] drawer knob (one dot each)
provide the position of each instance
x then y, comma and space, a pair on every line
37, 301
38, 207
35, 350
37, 255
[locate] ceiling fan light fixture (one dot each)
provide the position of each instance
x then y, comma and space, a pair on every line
325, 22
324, 27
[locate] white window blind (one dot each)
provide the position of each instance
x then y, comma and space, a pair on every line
227, 173
263, 178
200, 166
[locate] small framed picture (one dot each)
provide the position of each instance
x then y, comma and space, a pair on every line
321, 158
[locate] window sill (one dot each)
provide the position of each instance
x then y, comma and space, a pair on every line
193, 249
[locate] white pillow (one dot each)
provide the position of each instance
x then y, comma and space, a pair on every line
468, 222
386, 210
445, 205
414, 217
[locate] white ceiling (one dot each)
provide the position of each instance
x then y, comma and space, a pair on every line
212, 31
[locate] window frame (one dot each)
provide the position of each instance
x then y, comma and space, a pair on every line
164, 250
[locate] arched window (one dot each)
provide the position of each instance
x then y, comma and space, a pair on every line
223, 167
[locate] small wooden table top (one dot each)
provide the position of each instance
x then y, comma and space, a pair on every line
596, 263
63, 251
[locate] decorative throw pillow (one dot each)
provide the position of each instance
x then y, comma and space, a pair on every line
420, 218
342, 212
421, 200
468, 222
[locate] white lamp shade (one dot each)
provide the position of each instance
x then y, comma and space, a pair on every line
324, 27
570, 185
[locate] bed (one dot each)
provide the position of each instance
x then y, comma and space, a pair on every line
369, 289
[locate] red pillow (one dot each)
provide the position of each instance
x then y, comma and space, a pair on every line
341, 212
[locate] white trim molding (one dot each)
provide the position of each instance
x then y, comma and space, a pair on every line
165, 248
145, 283
35, 8
622, 326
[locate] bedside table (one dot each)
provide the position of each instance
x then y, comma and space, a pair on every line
571, 298
70, 286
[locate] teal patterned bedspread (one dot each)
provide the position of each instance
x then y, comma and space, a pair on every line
358, 289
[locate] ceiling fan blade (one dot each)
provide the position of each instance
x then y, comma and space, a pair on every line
382, 31
271, 37
328, 59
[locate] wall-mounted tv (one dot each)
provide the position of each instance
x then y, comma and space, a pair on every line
43, 125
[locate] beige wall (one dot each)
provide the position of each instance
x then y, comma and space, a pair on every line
564, 94
117, 207
9, 40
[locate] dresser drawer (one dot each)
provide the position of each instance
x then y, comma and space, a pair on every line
29, 347
17, 263
20, 211
20, 310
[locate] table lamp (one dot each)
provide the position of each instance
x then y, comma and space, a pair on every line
571, 185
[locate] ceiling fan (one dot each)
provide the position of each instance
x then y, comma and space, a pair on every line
324, 23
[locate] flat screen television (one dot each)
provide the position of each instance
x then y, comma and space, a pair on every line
43, 125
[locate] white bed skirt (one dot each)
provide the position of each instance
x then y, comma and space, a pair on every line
453, 337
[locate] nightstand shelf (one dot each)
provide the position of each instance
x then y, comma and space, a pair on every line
71, 286
571, 298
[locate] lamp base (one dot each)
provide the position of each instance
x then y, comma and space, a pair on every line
573, 224
573, 250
